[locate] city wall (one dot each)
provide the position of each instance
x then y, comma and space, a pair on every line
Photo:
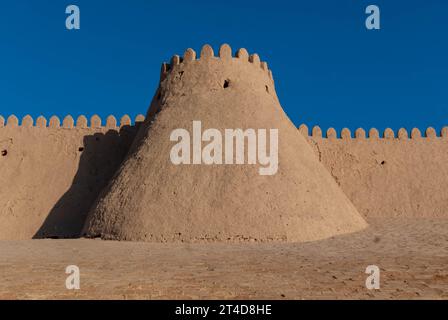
51, 172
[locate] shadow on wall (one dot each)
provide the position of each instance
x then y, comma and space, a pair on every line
101, 157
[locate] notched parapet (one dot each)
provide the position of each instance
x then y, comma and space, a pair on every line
388, 134
360, 133
331, 133
41, 122
125, 121
415, 133
304, 130
444, 132
207, 53
430, 133
225, 52
373, 134
27, 121
82, 122
55, 122
111, 122
68, 122
403, 134
346, 134
189, 55
12, 121
95, 122
317, 132
139, 118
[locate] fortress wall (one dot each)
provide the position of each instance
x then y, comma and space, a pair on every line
52, 172
388, 175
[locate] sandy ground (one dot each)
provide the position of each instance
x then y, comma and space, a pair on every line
412, 255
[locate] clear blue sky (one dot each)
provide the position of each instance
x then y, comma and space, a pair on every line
329, 69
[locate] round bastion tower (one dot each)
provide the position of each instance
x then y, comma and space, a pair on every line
155, 198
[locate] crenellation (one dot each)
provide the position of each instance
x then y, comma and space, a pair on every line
346, 134
403, 134
264, 66
388, 134
139, 118
111, 122
125, 121
415, 133
189, 55
207, 52
163, 71
41, 122
316, 132
81, 122
68, 122
374, 134
242, 54
430, 133
444, 132
303, 128
331, 133
225, 52
55, 122
27, 121
175, 60
95, 121
360, 133
255, 59
12, 121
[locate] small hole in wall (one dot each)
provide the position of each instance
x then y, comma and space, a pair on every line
267, 89
226, 83
383, 163
81, 149
4, 153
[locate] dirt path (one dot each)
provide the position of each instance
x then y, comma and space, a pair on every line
412, 255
